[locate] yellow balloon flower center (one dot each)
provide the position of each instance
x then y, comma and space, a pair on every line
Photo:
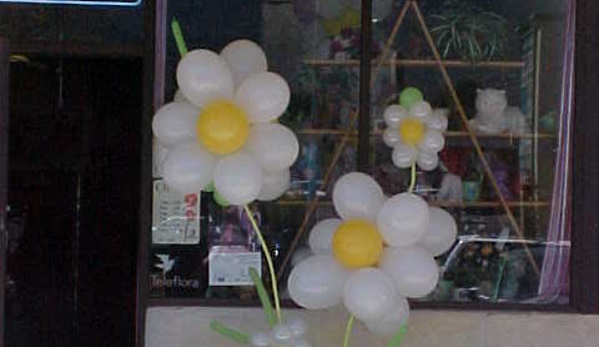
357, 243
411, 131
222, 127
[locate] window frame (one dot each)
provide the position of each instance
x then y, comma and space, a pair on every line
584, 279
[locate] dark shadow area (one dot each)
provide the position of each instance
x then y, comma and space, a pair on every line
74, 193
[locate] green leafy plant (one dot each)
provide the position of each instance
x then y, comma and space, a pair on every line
468, 31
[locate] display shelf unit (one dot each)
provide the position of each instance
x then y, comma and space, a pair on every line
419, 62
465, 204
461, 137
338, 132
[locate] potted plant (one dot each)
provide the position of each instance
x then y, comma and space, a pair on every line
468, 31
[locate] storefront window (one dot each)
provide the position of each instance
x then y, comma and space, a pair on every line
504, 72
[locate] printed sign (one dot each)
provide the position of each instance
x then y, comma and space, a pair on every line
176, 273
230, 266
175, 217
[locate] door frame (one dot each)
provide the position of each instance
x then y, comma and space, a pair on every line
4, 110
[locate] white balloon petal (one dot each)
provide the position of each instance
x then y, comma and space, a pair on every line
274, 184
394, 114
368, 293
245, 58
260, 339
264, 96
432, 142
273, 145
301, 253
404, 156
160, 152
421, 109
203, 76
413, 270
357, 195
188, 168
403, 219
238, 178
441, 234
321, 236
391, 137
389, 324
438, 120
443, 112
427, 161
174, 123
317, 282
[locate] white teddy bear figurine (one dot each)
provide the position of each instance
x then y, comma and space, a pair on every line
494, 116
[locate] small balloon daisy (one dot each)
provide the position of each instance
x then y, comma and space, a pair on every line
414, 131
221, 128
378, 253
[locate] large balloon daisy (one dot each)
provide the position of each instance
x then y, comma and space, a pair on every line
414, 131
222, 128
380, 252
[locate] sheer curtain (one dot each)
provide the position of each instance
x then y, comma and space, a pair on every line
554, 282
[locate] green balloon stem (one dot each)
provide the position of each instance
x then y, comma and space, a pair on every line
271, 318
181, 45
219, 199
229, 332
409, 96
348, 330
209, 188
397, 339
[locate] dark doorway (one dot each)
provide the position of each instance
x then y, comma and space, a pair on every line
74, 172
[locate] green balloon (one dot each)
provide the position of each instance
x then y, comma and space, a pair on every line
409, 96
219, 199
209, 188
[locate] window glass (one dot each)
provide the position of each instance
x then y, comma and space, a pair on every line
504, 60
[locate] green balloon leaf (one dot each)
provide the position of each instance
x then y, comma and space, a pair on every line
181, 46
209, 188
409, 96
264, 298
219, 199
229, 332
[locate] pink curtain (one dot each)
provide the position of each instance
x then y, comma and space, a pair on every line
554, 282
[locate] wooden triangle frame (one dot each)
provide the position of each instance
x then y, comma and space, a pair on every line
412, 5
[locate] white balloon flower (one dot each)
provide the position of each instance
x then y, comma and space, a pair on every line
415, 134
221, 127
378, 253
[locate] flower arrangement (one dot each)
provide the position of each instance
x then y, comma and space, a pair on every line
378, 253
221, 130
221, 137
414, 131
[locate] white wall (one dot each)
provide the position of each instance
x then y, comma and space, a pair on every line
189, 327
